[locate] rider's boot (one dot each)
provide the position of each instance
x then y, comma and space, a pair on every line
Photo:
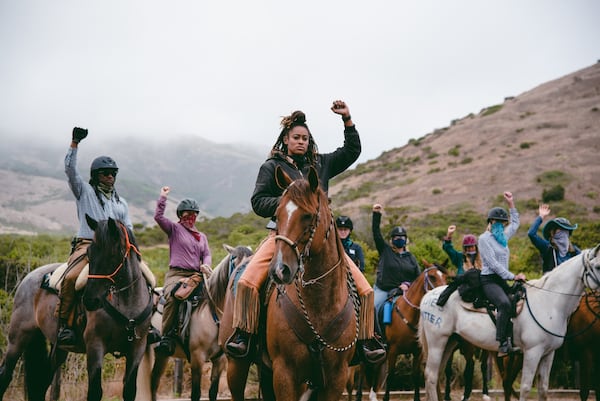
66, 335
372, 350
153, 335
237, 345
507, 347
166, 347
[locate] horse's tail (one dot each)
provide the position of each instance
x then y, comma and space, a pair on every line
422, 341
37, 366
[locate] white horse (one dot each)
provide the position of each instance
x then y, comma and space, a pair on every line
539, 329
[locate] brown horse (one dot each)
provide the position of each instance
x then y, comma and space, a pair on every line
312, 316
401, 333
581, 345
470, 353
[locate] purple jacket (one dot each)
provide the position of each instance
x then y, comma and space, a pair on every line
185, 251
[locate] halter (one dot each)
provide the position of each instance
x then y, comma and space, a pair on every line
587, 275
427, 286
128, 247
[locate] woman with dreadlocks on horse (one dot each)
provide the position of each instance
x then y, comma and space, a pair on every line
556, 246
295, 151
99, 199
189, 256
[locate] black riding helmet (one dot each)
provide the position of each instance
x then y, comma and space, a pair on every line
497, 213
559, 222
398, 231
101, 163
187, 204
344, 222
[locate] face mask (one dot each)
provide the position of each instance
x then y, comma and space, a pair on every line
471, 252
498, 233
561, 240
399, 242
188, 221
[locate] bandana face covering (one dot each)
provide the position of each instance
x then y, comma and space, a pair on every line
561, 240
188, 221
347, 242
498, 233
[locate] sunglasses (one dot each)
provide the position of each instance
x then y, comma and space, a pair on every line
106, 173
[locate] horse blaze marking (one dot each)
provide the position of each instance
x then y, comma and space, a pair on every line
291, 207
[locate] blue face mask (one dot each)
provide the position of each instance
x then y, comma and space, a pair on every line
498, 233
399, 242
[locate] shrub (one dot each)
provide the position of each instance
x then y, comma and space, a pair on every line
554, 194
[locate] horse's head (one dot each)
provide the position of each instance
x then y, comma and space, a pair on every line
304, 223
434, 275
108, 256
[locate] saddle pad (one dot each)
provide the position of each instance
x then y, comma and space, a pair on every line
469, 306
57, 276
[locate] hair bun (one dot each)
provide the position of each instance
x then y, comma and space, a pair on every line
296, 118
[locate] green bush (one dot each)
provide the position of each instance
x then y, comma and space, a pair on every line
554, 194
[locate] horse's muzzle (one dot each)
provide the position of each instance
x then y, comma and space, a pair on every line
281, 272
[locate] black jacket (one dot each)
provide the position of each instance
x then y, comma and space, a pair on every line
265, 198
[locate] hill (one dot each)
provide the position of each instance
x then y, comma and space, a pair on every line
546, 137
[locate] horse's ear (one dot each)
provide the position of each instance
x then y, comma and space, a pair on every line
426, 263
91, 222
281, 178
313, 178
228, 248
113, 228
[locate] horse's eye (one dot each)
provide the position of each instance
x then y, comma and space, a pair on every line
307, 218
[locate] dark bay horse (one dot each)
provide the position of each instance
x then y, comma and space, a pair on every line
471, 354
539, 329
312, 316
118, 305
401, 333
203, 326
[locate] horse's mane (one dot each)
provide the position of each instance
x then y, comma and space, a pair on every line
217, 282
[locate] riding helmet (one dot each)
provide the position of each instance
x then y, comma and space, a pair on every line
497, 213
187, 205
103, 162
344, 222
469, 240
559, 222
398, 231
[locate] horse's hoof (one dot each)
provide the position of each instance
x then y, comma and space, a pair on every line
373, 396
486, 397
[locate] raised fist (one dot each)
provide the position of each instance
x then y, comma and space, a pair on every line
79, 134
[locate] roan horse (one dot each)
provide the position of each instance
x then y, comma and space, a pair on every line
401, 333
203, 334
538, 330
118, 305
312, 316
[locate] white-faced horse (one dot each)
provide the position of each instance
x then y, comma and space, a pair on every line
538, 330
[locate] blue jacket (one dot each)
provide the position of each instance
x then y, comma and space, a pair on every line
550, 256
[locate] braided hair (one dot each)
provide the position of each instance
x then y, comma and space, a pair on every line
297, 118
94, 181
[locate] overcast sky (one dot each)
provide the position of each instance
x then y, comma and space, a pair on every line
227, 70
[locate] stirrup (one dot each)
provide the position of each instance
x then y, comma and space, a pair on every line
65, 336
238, 345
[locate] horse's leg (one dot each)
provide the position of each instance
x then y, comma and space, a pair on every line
448, 375
144, 377
218, 365
266, 384
544, 375
13, 353
95, 357
59, 358
237, 375
530, 366
38, 367
132, 364
483, 360
350, 382
469, 352
416, 374
160, 363
585, 375
392, 354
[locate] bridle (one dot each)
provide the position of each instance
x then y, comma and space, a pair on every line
427, 286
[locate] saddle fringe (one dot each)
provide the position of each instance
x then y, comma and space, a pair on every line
246, 308
366, 321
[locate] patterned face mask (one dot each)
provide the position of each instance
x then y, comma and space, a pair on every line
561, 240
498, 233
188, 221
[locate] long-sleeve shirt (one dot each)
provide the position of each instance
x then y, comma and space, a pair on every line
495, 256
88, 203
267, 193
393, 268
185, 251
550, 256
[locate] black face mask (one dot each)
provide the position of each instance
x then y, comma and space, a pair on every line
399, 242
